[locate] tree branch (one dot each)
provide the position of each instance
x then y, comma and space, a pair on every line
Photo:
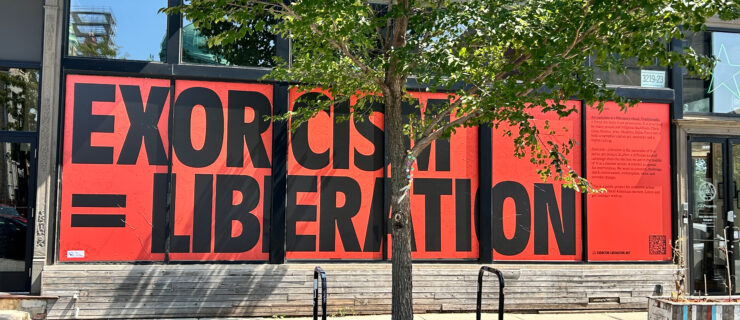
427, 139
399, 26
440, 116
340, 45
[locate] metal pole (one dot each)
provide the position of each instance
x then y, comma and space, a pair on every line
315, 294
318, 272
480, 295
500, 292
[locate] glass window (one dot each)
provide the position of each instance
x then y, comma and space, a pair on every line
720, 93
21, 30
255, 49
114, 29
19, 95
15, 163
652, 77
695, 89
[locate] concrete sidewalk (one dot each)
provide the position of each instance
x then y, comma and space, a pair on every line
494, 316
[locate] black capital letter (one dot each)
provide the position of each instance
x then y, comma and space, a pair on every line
202, 212
374, 233
565, 232
266, 213
332, 215
159, 213
340, 138
226, 212
251, 132
299, 141
462, 215
84, 123
295, 212
441, 146
143, 125
515, 191
372, 133
433, 189
182, 138
163, 220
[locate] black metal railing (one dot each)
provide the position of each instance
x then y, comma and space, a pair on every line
498, 273
318, 272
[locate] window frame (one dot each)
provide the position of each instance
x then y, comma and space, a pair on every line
173, 66
65, 40
25, 65
31, 137
679, 87
666, 69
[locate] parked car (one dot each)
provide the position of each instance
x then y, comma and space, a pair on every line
13, 229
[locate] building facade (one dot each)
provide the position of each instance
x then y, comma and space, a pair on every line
142, 179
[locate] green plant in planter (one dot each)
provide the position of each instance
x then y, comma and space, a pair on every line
726, 251
679, 277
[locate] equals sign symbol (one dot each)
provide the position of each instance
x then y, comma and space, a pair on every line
95, 220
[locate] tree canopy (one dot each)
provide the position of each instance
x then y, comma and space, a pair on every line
498, 60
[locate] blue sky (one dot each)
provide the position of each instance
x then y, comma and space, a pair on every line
139, 28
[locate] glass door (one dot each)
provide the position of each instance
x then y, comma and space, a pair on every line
734, 205
19, 101
708, 221
17, 191
714, 172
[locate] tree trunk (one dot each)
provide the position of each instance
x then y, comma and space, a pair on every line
402, 308
395, 80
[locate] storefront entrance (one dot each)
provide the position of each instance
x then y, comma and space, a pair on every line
714, 169
17, 190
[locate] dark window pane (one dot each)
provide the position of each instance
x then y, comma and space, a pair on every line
19, 94
255, 49
653, 76
721, 93
695, 97
14, 210
21, 23
131, 30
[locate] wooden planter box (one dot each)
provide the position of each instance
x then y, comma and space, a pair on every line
661, 308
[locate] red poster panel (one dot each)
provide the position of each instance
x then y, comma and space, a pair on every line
222, 145
336, 192
335, 184
443, 193
628, 155
107, 172
532, 219
115, 179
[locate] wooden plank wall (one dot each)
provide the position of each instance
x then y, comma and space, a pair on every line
233, 290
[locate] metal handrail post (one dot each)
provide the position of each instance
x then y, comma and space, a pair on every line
318, 272
498, 273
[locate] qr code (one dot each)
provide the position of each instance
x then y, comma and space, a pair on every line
657, 244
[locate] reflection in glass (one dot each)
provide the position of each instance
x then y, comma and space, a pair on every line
632, 76
117, 29
14, 211
720, 93
255, 49
695, 89
19, 92
708, 219
724, 83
